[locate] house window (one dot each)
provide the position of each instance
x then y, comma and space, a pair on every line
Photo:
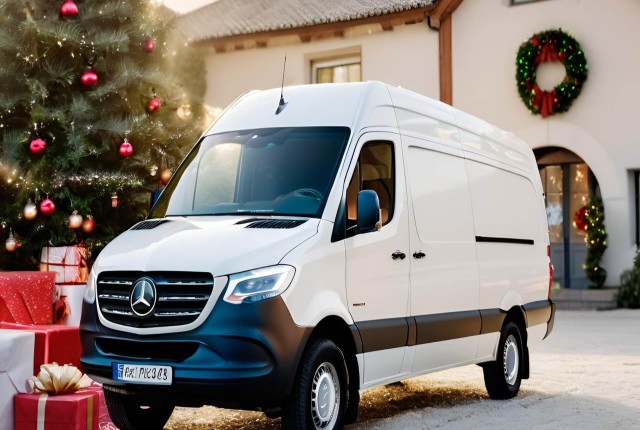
345, 69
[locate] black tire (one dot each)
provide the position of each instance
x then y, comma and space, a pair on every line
322, 374
503, 376
131, 412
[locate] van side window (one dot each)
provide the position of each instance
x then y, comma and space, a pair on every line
375, 170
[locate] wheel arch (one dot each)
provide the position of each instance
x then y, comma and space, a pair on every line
518, 316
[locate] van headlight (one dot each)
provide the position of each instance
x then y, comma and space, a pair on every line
90, 292
259, 284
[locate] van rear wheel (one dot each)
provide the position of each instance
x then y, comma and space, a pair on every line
131, 412
502, 377
320, 392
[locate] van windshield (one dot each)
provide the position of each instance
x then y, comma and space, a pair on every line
269, 171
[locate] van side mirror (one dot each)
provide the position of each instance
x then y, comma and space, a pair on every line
368, 212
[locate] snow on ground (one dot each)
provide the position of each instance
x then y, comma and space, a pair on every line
586, 375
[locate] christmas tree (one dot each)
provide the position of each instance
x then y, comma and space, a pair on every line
596, 240
93, 119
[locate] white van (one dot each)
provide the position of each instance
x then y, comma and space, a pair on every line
350, 236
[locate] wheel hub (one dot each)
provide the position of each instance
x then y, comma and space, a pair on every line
511, 360
325, 396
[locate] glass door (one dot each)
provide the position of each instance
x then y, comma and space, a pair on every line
566, 188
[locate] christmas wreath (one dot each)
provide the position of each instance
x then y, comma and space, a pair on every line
550, 46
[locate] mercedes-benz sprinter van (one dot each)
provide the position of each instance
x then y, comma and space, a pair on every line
344, 237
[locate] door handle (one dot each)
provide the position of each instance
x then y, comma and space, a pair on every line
398, 255
419, 254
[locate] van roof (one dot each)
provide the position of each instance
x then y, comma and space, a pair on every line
375, 104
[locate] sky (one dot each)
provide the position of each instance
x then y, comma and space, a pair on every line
185, 6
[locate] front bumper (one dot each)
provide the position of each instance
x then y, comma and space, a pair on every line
243, 356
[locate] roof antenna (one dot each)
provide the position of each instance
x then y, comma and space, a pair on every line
282, 103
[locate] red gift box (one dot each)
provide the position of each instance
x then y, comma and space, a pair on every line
27, 297
77, 411
104, 420
54, 343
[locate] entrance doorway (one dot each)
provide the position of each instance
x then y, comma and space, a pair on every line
568, 184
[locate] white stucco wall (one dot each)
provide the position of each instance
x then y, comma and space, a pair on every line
601, 126
405, 56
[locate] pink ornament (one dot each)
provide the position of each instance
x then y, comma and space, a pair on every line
153, 105
88, 224
37, 146
149, 45
68, 8
47, 207
89, 78
126, 149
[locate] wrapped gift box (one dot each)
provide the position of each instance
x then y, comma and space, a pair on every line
77, 411
27, 297
53, 343
68, 262
104, 420
16, 366
70, 298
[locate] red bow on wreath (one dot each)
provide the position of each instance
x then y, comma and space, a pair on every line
544, 101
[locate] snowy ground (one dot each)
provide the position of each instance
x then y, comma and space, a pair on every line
586, 375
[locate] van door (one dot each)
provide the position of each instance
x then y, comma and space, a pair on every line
444, 271
377, 263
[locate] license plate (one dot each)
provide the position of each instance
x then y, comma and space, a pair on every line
142, 374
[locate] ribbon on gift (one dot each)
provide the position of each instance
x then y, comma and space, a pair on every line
56, 379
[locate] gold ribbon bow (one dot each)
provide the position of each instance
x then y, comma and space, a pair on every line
56, 379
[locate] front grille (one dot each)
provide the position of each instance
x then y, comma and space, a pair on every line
181, 297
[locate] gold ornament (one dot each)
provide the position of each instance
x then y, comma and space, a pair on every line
165, 176
75, 220
30, 210
11, 244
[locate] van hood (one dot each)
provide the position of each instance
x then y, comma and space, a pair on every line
220, 245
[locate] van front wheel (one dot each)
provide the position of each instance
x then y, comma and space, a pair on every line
320, 393
503, 376
131, 412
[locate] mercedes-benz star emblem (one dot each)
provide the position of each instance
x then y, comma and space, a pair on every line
143, 297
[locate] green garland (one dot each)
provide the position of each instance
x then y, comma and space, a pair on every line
550, 46
596, 240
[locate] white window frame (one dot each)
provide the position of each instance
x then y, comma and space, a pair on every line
334, 62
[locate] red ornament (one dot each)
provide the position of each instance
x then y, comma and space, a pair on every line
47, 207
69, 8
88, 224
37, 146
535, 41
153, 105
126, 148
89, 78
580, 218
149, 45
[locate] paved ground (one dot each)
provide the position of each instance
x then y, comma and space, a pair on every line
586, 375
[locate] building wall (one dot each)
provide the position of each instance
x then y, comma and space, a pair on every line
406, 56
600, 127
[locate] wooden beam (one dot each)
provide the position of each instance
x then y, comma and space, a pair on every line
446, 70
443, 9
